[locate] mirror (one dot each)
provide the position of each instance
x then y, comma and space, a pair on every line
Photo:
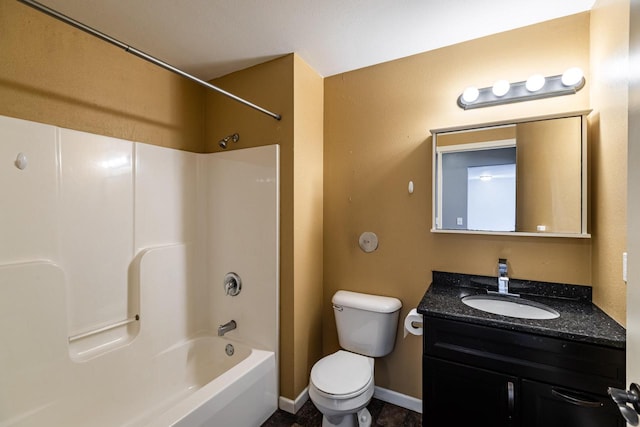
525, 177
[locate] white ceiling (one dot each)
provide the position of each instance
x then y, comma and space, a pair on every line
210, 38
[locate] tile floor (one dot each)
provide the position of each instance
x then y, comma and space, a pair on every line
382, 413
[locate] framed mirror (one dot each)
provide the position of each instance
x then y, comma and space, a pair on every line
525, 177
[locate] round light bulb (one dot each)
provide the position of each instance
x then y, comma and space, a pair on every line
572, 76
535, 83
470, 94
500, 88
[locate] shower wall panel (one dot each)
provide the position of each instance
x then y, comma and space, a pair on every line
242, 209
96, 227
29, 215
89, 206
166, 200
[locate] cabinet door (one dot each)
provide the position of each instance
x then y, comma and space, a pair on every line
544, 405
456, 395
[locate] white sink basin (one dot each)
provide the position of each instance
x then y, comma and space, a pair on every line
510, 306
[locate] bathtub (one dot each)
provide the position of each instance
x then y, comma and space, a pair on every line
218, 389
194, 383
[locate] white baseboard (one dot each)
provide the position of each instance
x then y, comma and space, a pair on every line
386, 395
398, 399
293, 406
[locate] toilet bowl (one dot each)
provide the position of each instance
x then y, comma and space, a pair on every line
342, 384
341, 387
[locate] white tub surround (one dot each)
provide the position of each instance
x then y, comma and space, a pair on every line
109, 298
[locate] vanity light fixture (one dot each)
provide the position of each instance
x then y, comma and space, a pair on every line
572, 76
470, 94
535, 83
536, 87
500, 88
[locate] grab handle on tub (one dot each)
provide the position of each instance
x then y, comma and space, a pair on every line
104, 328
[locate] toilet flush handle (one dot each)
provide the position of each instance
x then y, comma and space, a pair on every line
337, 307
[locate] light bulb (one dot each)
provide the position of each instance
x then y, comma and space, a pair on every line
535, 83
470, 94
572, 76
500, 88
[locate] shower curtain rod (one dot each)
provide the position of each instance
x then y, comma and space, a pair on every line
44, 9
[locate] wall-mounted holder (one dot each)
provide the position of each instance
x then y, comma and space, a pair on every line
368, 241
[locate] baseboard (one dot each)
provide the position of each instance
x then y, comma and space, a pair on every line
398, 399
293, 406
386, 395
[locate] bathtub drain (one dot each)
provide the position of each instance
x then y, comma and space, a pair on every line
229, 350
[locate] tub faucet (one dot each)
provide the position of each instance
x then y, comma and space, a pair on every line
503, 279
229, 326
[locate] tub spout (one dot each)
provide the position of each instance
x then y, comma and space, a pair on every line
229, 326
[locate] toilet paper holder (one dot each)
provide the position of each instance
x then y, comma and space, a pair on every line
411, 321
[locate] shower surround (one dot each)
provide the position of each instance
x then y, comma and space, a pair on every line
112, 263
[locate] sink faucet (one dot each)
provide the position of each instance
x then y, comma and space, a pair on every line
503, 279
229, 326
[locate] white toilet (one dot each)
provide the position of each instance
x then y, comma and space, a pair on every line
342, 384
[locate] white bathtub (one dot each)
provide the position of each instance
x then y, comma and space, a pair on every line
191, 384
220, 390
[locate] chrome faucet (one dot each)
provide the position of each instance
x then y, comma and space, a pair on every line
503, 279
229, 326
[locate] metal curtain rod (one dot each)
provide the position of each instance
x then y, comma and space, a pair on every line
140, 54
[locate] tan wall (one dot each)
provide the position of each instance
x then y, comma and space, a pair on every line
377, 123
308, 202
291, 88
609, 99
52, 73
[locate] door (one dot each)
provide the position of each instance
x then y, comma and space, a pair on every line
633, 200
552, 406
456, 395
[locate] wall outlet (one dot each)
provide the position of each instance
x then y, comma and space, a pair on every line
624, 266
459, 220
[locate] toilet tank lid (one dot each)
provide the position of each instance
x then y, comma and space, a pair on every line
366, 302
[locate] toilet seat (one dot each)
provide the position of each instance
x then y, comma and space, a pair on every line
342, 375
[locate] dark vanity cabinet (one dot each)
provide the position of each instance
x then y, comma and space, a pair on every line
476, 375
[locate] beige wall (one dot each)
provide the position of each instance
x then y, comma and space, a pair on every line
609, 99
377, 138
52, 73
308, 220
287, 86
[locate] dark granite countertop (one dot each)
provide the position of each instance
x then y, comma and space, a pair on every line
580, 320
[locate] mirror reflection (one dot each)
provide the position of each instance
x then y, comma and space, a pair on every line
527, 177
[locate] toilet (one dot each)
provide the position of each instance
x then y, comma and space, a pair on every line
341, 383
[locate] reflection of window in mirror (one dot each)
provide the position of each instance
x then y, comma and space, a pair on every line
459, 206
491, 197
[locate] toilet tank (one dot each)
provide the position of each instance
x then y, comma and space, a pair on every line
366, 323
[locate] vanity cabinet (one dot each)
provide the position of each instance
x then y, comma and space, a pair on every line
485, 376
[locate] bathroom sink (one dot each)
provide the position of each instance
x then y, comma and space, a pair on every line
510, 306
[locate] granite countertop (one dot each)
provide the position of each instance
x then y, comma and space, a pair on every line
580, 320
